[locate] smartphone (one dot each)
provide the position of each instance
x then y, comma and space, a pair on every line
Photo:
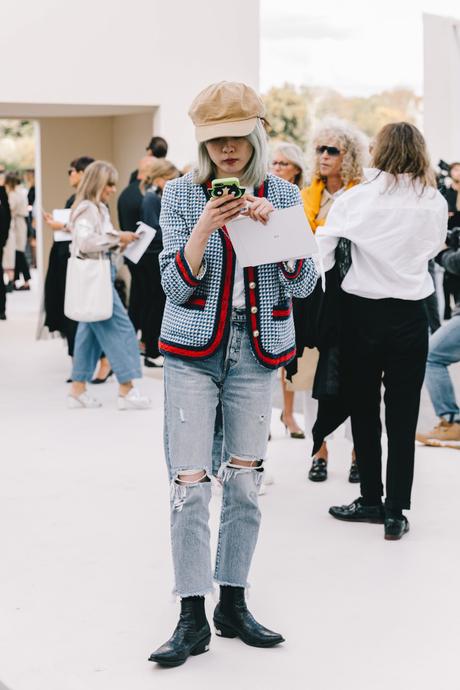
231, 184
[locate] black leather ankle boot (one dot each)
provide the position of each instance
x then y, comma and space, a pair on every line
191, 636
232, 619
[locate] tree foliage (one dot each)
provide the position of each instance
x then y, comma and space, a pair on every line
286, 112
16, 129
294, 112
17, 144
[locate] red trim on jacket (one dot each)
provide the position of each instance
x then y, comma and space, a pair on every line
224, 309
254, 326
198, 301
281, 313
294, 274
184, 270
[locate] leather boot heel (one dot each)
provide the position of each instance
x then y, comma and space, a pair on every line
224, 631
202, 647
233, 619
190, 638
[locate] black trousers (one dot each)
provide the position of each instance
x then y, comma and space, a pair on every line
384, 340
21, 267
55, 282
149, 301
2, 285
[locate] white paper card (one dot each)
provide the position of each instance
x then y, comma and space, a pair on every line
286, 236
136, 249
62, 215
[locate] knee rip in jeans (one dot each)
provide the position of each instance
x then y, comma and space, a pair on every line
182, 480
238, 466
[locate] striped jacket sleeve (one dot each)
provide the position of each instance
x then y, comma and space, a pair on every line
177, 279
299, 279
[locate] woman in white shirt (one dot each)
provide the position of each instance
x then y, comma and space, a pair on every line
396, 221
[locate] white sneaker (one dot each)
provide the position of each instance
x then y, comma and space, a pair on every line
267, 480
76, 402
157, 362
134, 401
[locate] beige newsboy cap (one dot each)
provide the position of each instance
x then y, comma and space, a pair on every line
226, 109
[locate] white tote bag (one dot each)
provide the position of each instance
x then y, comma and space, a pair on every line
88, 290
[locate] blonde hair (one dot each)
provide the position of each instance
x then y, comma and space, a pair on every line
257, 167
159, 167
95, 178
349, 140
295, 155
399, 149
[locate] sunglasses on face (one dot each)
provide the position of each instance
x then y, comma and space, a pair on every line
281, 164
331, 150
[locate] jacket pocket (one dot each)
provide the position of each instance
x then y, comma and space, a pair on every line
196, 302
281, 312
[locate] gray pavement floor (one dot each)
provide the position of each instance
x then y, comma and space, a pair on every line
85, 572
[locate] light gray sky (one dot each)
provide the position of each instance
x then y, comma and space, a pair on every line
358, 47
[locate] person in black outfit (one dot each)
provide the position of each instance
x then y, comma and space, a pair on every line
158, 148
5, 220
152, 297
129, 214
55, 281
29, 179
451, 283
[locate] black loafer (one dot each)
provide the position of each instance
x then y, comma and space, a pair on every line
395, 528
318, 470
357, 512
353, 476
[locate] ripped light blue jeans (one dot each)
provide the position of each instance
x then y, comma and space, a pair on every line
193, 391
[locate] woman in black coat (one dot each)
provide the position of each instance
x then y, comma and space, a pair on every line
151, 295
55, 319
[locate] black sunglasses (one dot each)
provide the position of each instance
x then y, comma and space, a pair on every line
331, 150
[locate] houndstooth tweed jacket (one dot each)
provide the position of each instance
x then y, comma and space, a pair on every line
198, 309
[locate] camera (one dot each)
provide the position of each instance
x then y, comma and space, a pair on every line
453, 238
442, 176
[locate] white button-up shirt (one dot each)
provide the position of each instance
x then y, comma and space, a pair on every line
394, 231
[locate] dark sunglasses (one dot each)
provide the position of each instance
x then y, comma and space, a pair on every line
331, 150
282, 164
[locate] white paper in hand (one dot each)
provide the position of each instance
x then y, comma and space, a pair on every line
137, 249
287, 235
62, 215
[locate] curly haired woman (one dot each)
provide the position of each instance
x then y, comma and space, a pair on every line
337, 155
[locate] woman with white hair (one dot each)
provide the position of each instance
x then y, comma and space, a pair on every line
337, 155
288, 163
225, 331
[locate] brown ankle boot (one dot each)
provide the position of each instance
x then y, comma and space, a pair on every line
445, 434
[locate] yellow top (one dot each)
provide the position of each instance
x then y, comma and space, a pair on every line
311, 197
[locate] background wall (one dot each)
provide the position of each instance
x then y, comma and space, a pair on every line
102, 77
442, 86
143, 53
